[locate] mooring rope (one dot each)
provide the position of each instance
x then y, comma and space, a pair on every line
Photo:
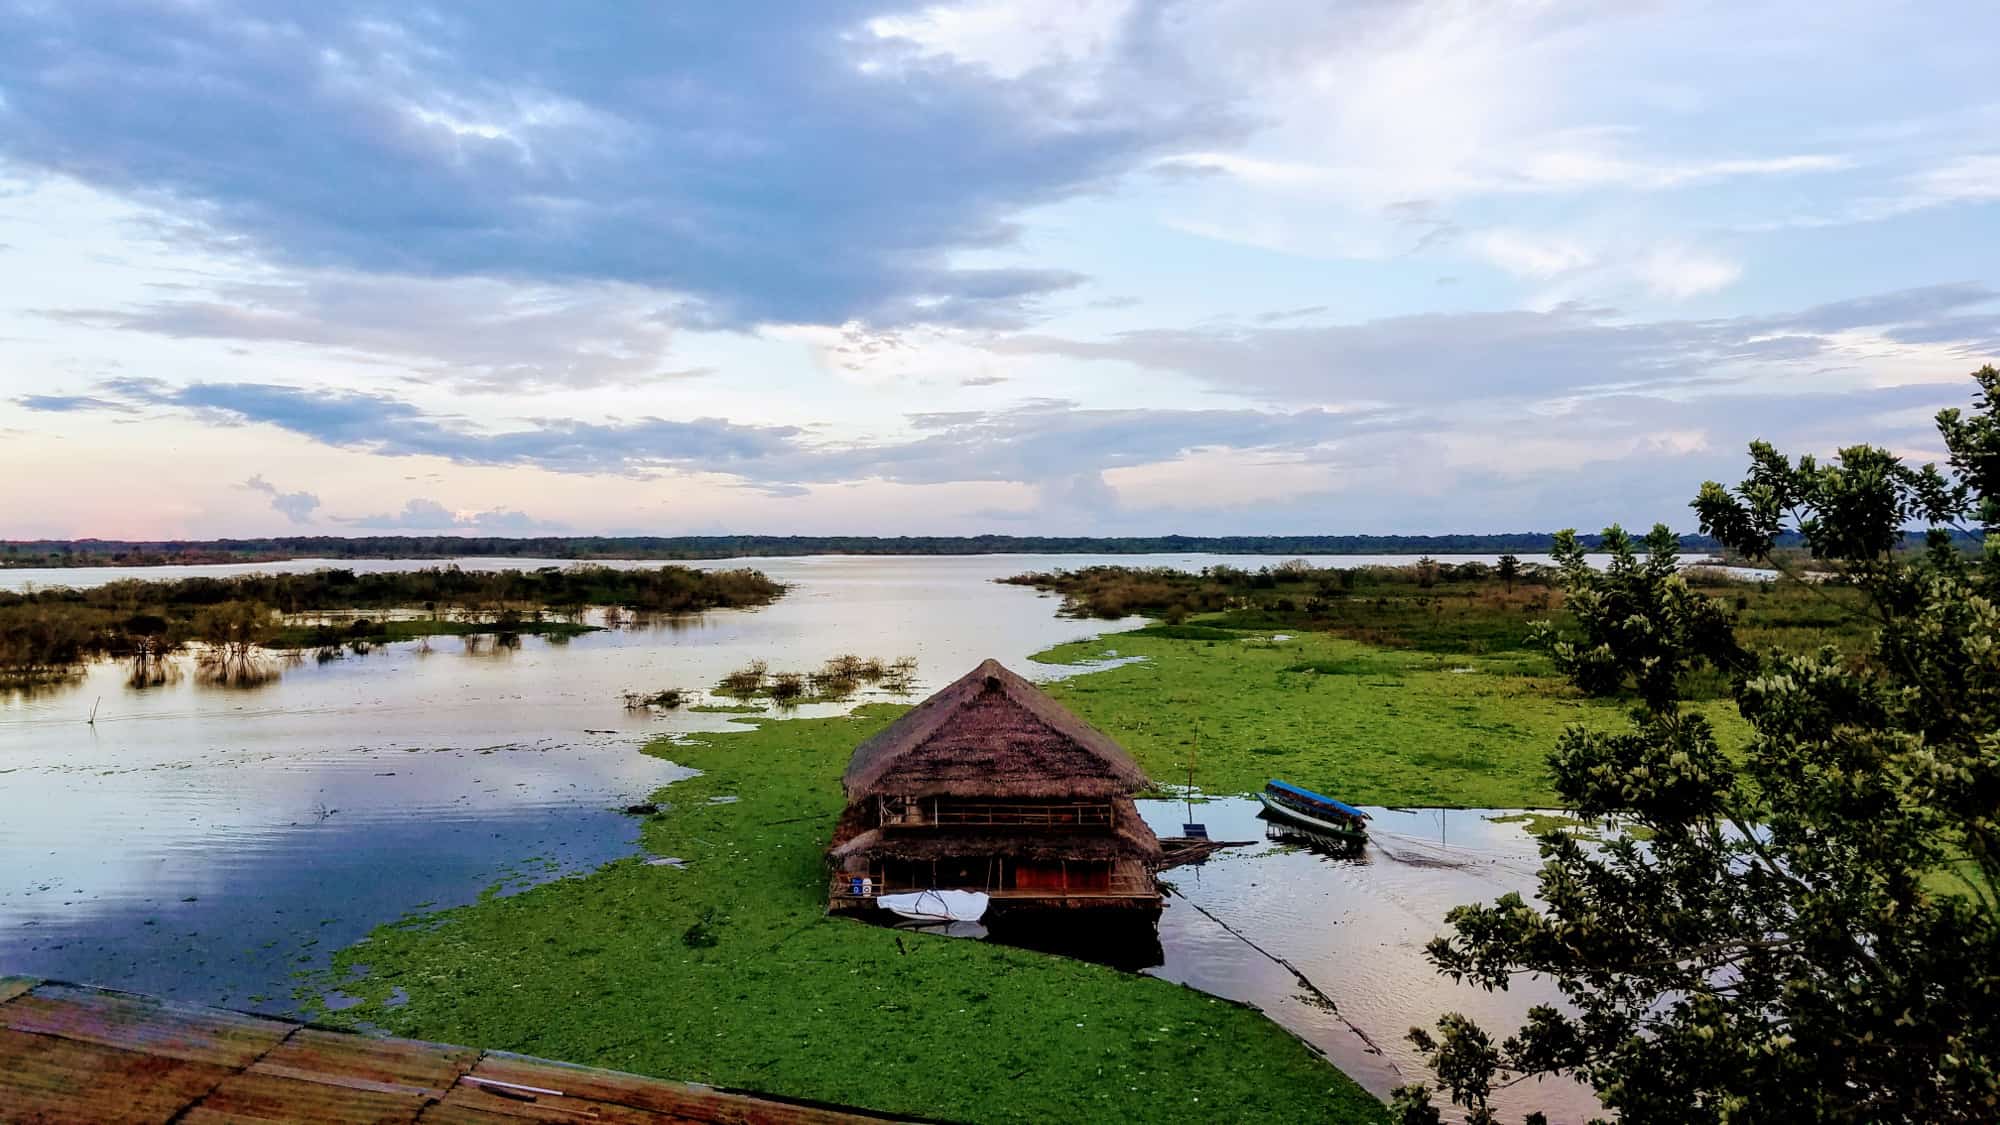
1303, 979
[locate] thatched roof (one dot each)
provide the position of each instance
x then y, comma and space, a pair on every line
1131, 839
991, 733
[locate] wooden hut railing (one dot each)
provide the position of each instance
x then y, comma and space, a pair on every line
940, 813
1123, 884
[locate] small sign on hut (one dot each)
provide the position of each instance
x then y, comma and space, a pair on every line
990, 786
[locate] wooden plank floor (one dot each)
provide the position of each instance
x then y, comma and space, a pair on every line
71, 1054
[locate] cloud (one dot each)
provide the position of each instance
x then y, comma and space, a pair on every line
1433, 360
394, 427
782, 163
1036, 441
69, 404
1527, 255
1678, 272
422, 514
1012, 38
1670, 270
1331, 391
1588, 166
296, 506
1966, 179
1413, 418
477, 334
1047, 441
1559, 164
1277, 315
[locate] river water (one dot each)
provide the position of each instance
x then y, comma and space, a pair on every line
1355, 926
209, 843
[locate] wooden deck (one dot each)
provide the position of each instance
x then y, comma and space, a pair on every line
70, 1054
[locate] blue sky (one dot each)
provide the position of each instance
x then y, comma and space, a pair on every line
1090, 266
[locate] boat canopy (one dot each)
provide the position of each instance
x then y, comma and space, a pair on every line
1309, 795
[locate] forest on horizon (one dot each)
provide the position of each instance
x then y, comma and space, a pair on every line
118, 552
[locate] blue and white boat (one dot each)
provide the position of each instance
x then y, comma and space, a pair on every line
1316, 811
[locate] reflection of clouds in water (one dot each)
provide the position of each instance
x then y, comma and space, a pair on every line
210, 804
233, 923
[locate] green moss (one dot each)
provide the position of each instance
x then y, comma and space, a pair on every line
1370, 725
728, 971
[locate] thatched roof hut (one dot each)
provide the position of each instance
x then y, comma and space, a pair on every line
991, 733
992, 786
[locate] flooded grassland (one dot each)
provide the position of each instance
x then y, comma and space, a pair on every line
211, 843
726, 958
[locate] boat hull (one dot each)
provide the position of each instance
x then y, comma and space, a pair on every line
1327, 827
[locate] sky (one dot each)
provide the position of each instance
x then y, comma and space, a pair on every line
1040, 268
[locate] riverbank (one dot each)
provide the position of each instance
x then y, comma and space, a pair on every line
724, 968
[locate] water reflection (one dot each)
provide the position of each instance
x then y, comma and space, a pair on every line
188, 817
1288, 927
230, 916
1291, 835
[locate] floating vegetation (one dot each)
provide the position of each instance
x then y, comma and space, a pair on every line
836, 680
788, 687
669, 699
745, 681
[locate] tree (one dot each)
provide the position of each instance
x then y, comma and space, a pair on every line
1427, 572
1509, 570
1810, 932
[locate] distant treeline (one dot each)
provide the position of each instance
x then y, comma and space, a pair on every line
114, 552
110, 552
50, 631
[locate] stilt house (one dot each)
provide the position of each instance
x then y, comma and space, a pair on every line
990, 785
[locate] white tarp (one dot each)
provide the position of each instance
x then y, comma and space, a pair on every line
937, 906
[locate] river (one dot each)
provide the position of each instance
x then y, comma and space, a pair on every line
208, 843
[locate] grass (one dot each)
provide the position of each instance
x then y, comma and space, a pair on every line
729, 972
1370, 725
1446, 610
